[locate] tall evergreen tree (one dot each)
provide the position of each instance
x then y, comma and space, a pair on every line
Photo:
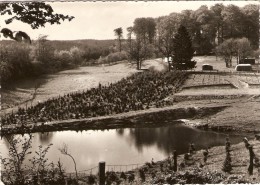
183, 50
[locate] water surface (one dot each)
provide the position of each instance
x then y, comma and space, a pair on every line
124, 146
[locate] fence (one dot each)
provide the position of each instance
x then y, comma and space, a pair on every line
110, 167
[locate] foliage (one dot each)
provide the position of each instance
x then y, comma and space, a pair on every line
40, 163
141, 47
113, 57
38, 171
144, 29
92, 179
43, 53
243, 48
15, 62
20, 60
136, 92
77, 55
227, 166
209, 27
166, 29
256, 53
226, 50
240, 48
119, 35
64, 58
142, 174
183, 50
140, 52
36, 14
112, 177
14, 165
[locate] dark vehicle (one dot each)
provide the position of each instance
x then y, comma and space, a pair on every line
207, 67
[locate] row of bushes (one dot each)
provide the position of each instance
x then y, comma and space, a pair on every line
137, 92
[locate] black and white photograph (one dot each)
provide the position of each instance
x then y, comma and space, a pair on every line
129, 92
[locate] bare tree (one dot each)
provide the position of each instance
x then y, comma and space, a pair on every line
64, 151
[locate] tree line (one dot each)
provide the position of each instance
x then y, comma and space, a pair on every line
208, 28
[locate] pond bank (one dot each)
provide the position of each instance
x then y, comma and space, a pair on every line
153, 117
190, 170
195, 171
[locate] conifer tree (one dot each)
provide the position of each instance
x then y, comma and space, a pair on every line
183, 50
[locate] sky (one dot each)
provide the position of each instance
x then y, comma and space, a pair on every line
97, 20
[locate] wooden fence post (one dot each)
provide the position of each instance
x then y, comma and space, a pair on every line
251, 163
102, 176
175, 160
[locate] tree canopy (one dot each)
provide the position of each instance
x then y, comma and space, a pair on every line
119, 35
141, 48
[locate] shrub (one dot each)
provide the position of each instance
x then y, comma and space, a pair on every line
64, 58
15, 61
114, 57
76, 55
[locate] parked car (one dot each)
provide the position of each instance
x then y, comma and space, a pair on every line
207, 67
244, 67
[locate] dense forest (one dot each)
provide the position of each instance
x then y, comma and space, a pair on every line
210, 30
211, 26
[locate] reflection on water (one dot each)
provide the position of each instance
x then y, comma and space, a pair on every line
124, 146
46, 138
177, 138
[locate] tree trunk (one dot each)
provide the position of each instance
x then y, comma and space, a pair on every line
138, 65
169, 65
120, 49
75, 166
226, 61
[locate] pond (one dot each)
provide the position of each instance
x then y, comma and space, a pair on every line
124, 146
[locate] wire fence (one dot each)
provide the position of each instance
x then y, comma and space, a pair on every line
123, 167
109, 168
90, 171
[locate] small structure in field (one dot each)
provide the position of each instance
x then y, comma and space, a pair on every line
207, 67
247, 61
244, 67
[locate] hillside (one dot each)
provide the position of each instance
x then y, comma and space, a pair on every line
67, 44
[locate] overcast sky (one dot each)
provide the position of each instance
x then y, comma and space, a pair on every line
97, 20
